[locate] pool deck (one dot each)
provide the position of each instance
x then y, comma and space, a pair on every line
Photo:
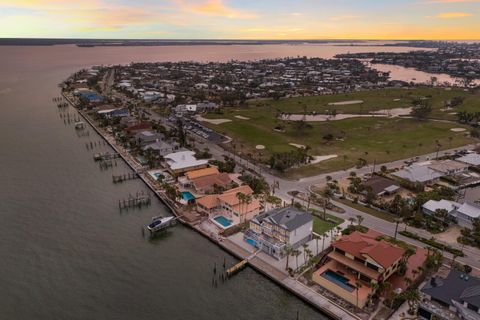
305, 293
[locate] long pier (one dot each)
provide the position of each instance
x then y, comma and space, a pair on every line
304, 293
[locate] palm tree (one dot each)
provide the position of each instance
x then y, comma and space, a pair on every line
296, 253
360, 219
288, 251
352, 220
412, 296
397, 222
316, 241
305, 247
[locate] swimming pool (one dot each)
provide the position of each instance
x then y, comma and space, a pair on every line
223, 221
252, 242
188, 196
338, 279
159, 175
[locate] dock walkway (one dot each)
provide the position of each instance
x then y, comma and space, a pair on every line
306, 294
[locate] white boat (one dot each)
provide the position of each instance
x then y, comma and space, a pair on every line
160, 223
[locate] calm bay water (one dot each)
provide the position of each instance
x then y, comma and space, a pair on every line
66, 252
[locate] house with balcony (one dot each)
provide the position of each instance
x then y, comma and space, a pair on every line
231, 207
274, 230
356, 263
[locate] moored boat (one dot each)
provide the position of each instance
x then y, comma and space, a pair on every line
160, 223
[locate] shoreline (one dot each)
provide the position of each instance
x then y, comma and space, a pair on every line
312, 298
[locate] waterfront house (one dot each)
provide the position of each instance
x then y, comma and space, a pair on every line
137, 128
147, 137
233, 206
114, 113
357, 262
208, 180
456, 296
464, 214
183, 161
162, 148
274, 230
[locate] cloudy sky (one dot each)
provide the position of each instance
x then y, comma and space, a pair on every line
242, 19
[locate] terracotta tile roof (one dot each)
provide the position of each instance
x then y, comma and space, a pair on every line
195, 174
209, 202
219, 179
230, 196
362, 245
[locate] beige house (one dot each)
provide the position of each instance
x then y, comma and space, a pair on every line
237, 205
358, 262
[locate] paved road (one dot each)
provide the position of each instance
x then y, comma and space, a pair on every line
472, 257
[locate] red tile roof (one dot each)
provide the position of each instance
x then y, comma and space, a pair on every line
363, 245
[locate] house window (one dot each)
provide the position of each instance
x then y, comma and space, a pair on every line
472, 307
372, 266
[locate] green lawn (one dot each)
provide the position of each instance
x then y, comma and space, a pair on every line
321, 226
374, 139
370, 211
375, 100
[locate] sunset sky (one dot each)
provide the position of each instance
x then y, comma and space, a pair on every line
242, 19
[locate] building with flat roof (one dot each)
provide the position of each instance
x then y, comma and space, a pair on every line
472, 159
274, 230
183, 161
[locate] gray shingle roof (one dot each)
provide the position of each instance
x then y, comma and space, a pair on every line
288, 218
457, 286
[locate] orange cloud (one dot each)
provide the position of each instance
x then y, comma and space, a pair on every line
453, 15
215, 8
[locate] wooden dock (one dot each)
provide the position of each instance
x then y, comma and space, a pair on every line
319, 302
125, 177
138, 201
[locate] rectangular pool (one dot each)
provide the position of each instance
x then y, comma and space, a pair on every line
338, 279
188, 196
223, 221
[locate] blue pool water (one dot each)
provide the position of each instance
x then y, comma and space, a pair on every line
251, 242
187, 196
158, 175
338, 280
223, 221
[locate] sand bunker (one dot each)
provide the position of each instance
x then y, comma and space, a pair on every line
260, 147
318, 159
387, 113
299, 146
213, 121
458, 129
345, 103
242, 118
395, 112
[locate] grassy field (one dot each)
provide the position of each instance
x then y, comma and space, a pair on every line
321, 227
375, 100
378, 139
370, 211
